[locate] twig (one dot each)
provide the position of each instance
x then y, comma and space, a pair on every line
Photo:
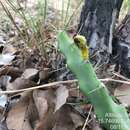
87, 118
46, 86
114, 80
121, 76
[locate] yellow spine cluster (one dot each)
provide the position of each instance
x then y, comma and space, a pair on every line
81, 43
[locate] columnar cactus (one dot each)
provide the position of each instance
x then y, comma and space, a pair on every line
111, 115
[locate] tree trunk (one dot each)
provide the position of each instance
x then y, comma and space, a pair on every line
121, 47
97, 23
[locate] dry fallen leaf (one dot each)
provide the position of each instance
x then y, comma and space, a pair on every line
3, 126
2, 40
5, 59
77, 119
17, 118
47, 102
20, 83
44, 74
4, 80
40, 102
3, 100
123, 94
30, 73
9, 49
67, 119
14, 72
62, 94
44, 101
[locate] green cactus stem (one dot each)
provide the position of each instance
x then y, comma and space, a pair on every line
112, 116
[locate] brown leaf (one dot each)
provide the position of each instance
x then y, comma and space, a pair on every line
2, 41
77, 119
67, 119
123, 94
40, 102
9, 49
4, 80
44, 101
5, 59
94, 124
44, 74
18, 117
20, 83
62, 94
3, 126
29, 73
11, 71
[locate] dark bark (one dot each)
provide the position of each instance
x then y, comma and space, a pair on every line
97, 23
121, 47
